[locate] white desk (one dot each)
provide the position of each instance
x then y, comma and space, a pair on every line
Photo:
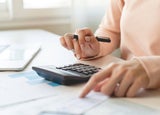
52, 53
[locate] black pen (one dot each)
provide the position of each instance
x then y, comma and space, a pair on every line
106, 39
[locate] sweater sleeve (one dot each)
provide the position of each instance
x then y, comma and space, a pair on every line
110, 27
152, 67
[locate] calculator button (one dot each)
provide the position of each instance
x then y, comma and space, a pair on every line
80, 68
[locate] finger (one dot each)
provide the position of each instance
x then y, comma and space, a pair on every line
82, 33
93, 43
93, 39
77, 49
116, 89
134, 88
99, 85
95, 79
124, 85
89, 50
69, 41
108, 89
63, 43
91, 84
86, 50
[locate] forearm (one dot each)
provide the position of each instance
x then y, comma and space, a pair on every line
107, 48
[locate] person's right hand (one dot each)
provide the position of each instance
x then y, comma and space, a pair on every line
85, 47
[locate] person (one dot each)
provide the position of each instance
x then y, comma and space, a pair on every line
133, 26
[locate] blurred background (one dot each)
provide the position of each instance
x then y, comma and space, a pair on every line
57, 16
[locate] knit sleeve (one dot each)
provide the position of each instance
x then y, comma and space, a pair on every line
152, 66
110, 26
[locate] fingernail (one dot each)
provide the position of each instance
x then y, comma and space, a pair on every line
82, 46
81, 96
75, 40
88, 39
78, 56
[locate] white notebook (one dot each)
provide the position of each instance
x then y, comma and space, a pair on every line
17, 57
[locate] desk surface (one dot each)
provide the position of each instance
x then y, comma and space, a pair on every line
52, 53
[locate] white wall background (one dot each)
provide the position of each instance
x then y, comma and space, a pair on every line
84, 13
88, 13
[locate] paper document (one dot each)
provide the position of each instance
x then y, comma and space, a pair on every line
66, 104
94, 104
24, 86
76, 105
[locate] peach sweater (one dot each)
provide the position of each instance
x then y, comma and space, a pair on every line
134, 26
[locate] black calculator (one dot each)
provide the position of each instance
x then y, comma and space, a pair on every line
67, 75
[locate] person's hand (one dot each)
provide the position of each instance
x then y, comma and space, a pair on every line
119, 79
86, 46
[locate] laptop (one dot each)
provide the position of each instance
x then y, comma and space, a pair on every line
16, 57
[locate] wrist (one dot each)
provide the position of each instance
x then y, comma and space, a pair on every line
90, 57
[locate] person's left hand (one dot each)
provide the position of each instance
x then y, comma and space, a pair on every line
119, 79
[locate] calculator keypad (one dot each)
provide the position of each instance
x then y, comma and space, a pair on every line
80, 68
